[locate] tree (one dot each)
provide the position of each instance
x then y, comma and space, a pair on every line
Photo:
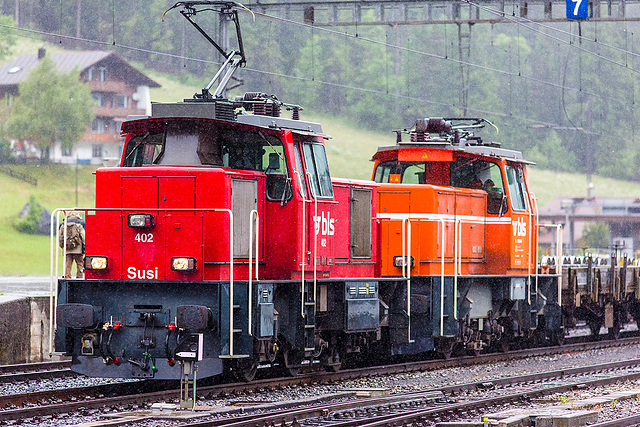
7, 36
52, 106
596, 235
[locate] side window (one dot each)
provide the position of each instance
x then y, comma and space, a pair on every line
494, 186
274, 165
300, 173
316, 160
517, 190
383, 170
413, 173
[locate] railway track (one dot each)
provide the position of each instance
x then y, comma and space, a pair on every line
417, 408
137, 393
35, 371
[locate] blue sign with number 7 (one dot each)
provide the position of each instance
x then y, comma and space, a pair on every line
577, 9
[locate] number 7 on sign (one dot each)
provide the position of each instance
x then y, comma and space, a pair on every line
577, 9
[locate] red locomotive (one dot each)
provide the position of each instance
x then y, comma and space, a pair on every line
222, 239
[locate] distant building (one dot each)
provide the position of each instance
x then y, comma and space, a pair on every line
117, 88
622, 214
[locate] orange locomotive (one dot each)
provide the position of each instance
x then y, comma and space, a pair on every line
457, 220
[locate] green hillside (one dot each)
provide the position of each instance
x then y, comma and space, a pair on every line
28, 255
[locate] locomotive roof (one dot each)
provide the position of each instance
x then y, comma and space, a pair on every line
487, 150
219, 111
456, 134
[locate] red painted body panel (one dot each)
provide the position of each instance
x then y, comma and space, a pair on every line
190, 205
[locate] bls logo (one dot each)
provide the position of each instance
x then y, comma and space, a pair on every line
328, 224
519, 227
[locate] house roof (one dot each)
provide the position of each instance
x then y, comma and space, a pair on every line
17, 70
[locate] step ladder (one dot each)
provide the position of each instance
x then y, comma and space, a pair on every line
309, 316
235, 342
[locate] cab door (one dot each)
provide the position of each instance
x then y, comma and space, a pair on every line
320, 210
520, 218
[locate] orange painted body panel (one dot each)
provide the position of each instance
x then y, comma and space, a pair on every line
434, 211
489, 244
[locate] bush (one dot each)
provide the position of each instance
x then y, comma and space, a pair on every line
6, 154
29, 222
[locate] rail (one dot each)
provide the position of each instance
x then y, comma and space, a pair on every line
55, 260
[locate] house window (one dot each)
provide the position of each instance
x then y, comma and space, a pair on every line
97, 125
91, 74
67, 151
122, 101
96, 151
100, 99
102, 74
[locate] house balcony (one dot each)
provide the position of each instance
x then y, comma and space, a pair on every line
101, 137
111, 86
111, 112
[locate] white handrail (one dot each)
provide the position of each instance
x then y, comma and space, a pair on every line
533, 247
53, 269
559, 231
406, 268
406, 264
253, 216
444, 242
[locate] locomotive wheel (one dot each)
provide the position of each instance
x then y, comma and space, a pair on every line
594, 327
614, 332
473, 352
332, 362
292, 362
557, 338
444, 347
245, 370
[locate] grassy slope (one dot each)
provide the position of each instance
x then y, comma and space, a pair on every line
23, 254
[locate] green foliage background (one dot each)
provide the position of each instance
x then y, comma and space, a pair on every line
52, 106
569, 104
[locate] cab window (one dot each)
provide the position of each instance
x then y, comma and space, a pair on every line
401, 172
318, 169
143, 150
300, 173
468, 172
517, 189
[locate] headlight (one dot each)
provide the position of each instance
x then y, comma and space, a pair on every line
185, 264
399, 261
96, 262
140, 220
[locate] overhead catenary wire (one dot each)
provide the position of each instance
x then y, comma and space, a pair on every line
441, 57
274, 74
520, 20
350, 87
